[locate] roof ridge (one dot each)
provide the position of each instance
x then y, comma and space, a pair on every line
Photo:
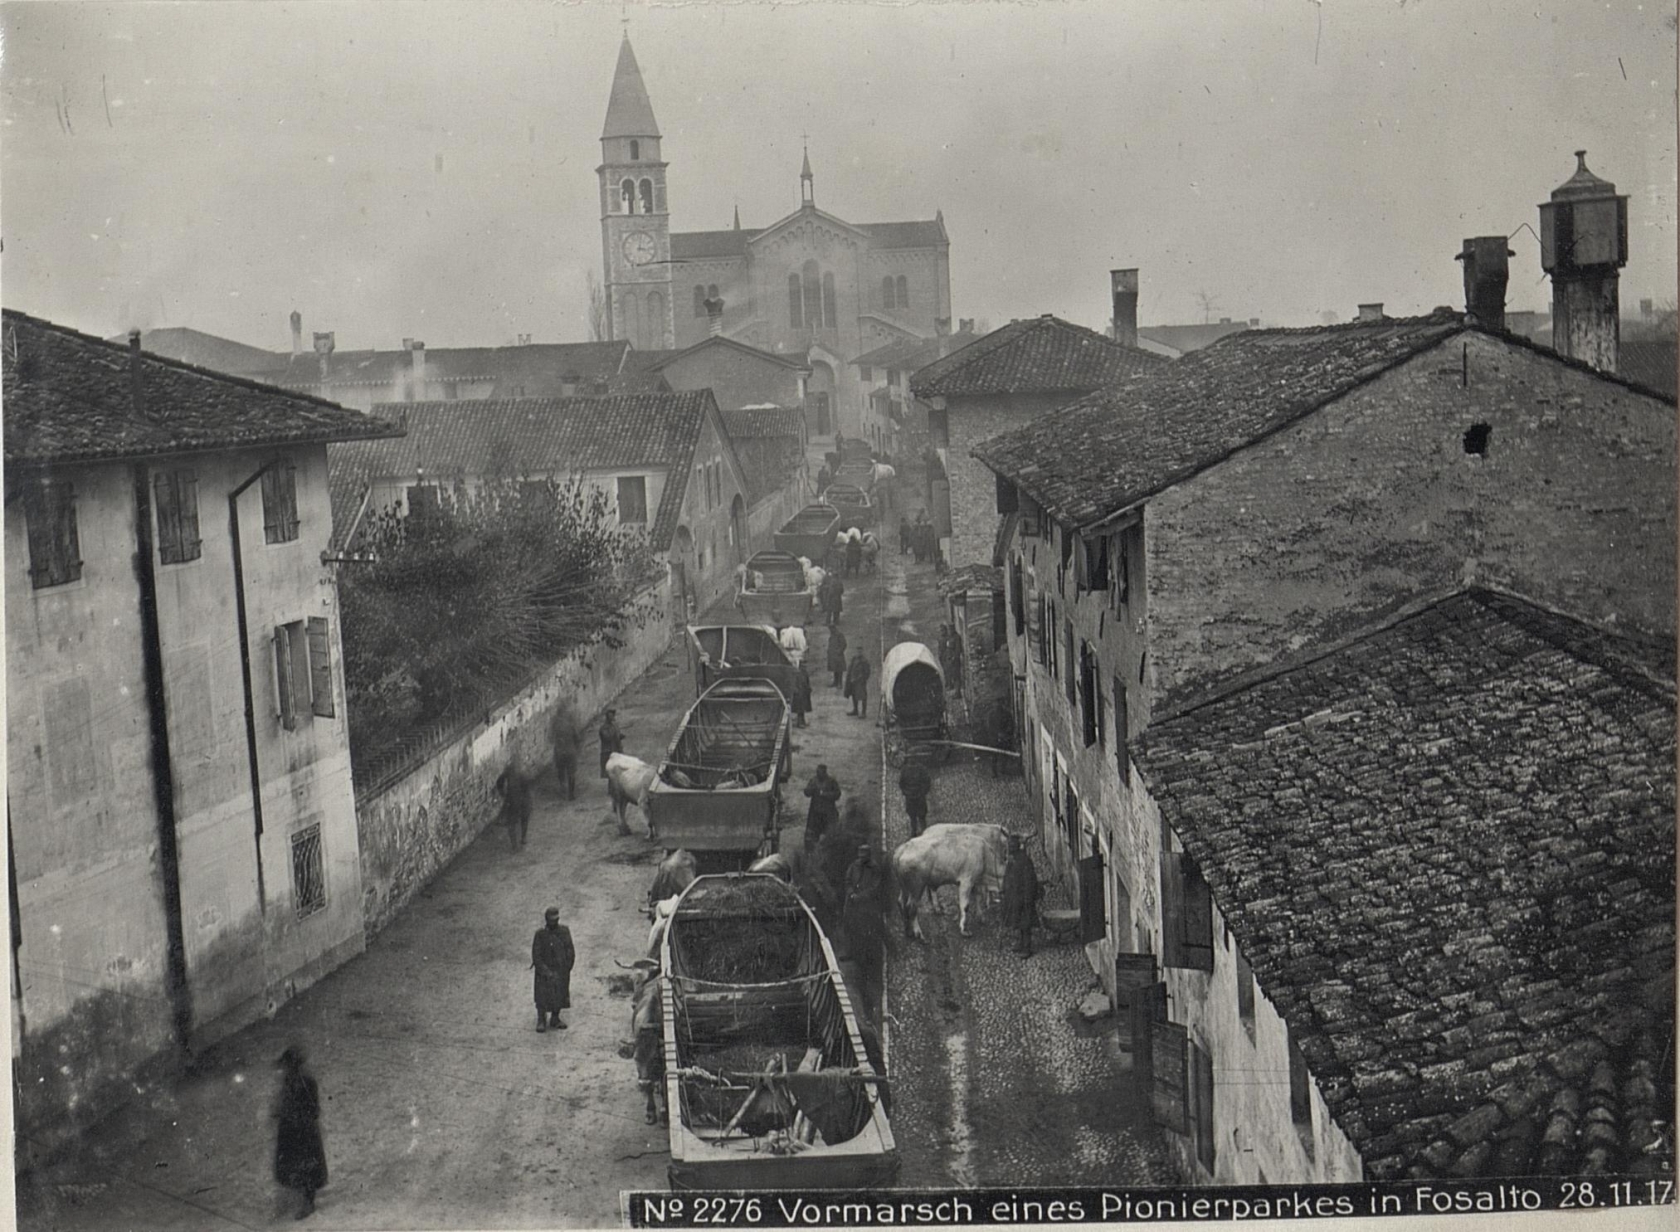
181, 364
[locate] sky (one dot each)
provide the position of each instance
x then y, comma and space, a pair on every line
404, 169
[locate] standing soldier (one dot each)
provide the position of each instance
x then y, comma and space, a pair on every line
903, 533
916, 784
513, 785
857, 684
300, 1158
836, 659
551, 959
824, 794
1020, 895
854, 555
566, 740
824, 478
801, 699
612, 740
831, 595
860, 917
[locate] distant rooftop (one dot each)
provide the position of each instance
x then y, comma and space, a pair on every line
1038, 355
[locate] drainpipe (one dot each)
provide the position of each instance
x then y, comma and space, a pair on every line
245, 671
157, 714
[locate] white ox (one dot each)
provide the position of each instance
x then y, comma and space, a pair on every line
961, 854
628, 782
792, 640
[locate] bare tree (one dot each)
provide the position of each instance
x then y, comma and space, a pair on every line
600, 325
1209, 305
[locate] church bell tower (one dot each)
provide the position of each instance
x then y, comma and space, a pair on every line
635, 224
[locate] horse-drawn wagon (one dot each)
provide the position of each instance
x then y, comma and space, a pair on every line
913, 695
809, 532
718, 792
766, 1075
739, 652
775, 591
853, 505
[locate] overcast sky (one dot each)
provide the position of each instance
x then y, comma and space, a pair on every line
427, 169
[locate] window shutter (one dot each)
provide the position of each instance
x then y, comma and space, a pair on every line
1170, 1081
1035, 629
283, 676
1202, 1076
1093, 926
1081, 563
1122, 754
1070, 665
1197, 937
166, 504
271, 505
1172, 909
186, 513
288, 495
320, 667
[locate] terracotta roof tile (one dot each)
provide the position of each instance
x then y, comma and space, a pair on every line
1041, 355
562, 436
69, 398
1460, 899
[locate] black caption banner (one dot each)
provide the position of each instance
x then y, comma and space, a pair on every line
1223, 1204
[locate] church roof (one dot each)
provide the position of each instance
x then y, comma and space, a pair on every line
700, 245
629, 112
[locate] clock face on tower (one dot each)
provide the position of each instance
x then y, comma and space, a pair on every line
639, 248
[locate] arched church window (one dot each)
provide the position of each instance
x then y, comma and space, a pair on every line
635, 151
655, 320
633, 326
887, 292
627, 192
831, 318
903, 291
813, 296
647, 196
699, 300
796, 318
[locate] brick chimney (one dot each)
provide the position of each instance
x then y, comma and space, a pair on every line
1487, 268
1124, 284
324, 348
714, 316
297, 332
418, 351
1371, 312
942, 325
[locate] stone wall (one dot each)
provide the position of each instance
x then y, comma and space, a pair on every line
974, 515
1374, 502
411, 830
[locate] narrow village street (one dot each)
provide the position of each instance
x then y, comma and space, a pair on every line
443, 1107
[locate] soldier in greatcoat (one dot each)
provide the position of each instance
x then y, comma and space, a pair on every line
1020, 895
552, 956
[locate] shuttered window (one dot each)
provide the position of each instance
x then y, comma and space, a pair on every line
1096, 564
1090, 694
1187, 906
1201, 1103
279, 498
1300, 1094
1169, 1057
1122, 730
1070, 665
49, 514
1245, 995
1093, 900
1070, 814
320, 667
175, 496
1017, 596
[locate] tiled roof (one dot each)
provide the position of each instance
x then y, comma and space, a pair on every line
914, 353
693, 245
539, 369
759, 421
1447, 851
69, 398
1651, 362
1041, 355
718, 340
561, 436
194, 346
732, 242
1121, 445
1186, 338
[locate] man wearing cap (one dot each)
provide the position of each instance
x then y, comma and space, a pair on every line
857, 684
612, 740
824, 794
916, 784
1020, 895
861, 919
551, 959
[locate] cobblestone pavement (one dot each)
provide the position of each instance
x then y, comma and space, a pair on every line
997, 1080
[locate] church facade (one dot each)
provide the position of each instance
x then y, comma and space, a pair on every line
812, 287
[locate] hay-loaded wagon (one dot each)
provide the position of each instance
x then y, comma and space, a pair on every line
810, 532
853, 505
913, 695
738, 652
775, 591
718, 792
766, 1076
